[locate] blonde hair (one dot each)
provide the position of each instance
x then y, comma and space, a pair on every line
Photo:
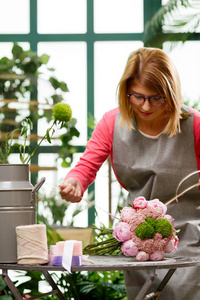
152, 68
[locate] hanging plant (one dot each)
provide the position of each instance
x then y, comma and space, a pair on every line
18, 87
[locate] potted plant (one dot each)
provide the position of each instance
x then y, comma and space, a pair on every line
18, 77
18, 89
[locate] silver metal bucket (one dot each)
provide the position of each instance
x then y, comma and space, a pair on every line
17, 206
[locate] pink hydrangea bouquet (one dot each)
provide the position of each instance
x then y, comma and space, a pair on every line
144, 232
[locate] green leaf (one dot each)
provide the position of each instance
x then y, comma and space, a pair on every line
54, 82
48, 136
44, 58
17, 51
2, 284
119, 208
6, 297
63, 86
57, 98
4, 61
65, 164
24, 130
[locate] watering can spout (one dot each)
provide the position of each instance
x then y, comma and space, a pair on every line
37, 187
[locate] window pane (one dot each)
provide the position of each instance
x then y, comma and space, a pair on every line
61, 16
186, 58
118, 16
14, 16
50, 188
69, 61
110, 60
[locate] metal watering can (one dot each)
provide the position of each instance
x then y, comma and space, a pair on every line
17, 206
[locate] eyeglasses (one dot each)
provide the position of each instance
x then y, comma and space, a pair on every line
153, 100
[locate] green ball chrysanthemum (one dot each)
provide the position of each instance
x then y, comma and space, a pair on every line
62, 112
163, 227
151, 221
145, 231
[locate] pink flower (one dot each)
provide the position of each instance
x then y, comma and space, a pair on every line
158, 205
170, 219
127, 213
129, 248
122, 232
157, 255
136, 220
139, 203
170, 247
142, 256
152, 212
26, 296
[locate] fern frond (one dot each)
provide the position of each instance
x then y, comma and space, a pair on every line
170, 19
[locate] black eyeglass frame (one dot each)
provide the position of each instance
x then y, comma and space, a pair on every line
148, 98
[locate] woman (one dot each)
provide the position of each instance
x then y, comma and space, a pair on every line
154, 142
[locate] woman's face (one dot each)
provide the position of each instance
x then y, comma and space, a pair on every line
146, 112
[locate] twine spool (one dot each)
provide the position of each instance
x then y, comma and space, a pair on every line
32, 246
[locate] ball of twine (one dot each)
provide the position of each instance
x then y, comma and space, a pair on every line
32, 246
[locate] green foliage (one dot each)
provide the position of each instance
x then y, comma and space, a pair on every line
91, 123
58, 212
90, 285
19, 73
61, 115
169, 23
104, 243
195, 105
24, 133
18, 80
67, 151
5, 293
5, 147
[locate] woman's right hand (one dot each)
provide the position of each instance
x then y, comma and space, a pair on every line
70, 190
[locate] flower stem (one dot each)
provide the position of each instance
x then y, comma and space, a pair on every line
44, 137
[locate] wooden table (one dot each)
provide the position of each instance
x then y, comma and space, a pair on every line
106, 263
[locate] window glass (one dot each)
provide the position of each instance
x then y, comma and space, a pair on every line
118, 16
110, 61
187, 61
50, 188
69, 61
61, 16
15, 16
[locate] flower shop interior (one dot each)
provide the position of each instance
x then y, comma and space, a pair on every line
74, 51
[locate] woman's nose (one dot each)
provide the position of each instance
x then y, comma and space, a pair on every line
146, 105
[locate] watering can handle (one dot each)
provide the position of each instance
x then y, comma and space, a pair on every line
38, 185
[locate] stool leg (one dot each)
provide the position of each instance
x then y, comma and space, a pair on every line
53, 285
165, 280
11, 285
148, 283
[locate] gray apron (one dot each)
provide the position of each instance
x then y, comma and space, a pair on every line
153, 168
